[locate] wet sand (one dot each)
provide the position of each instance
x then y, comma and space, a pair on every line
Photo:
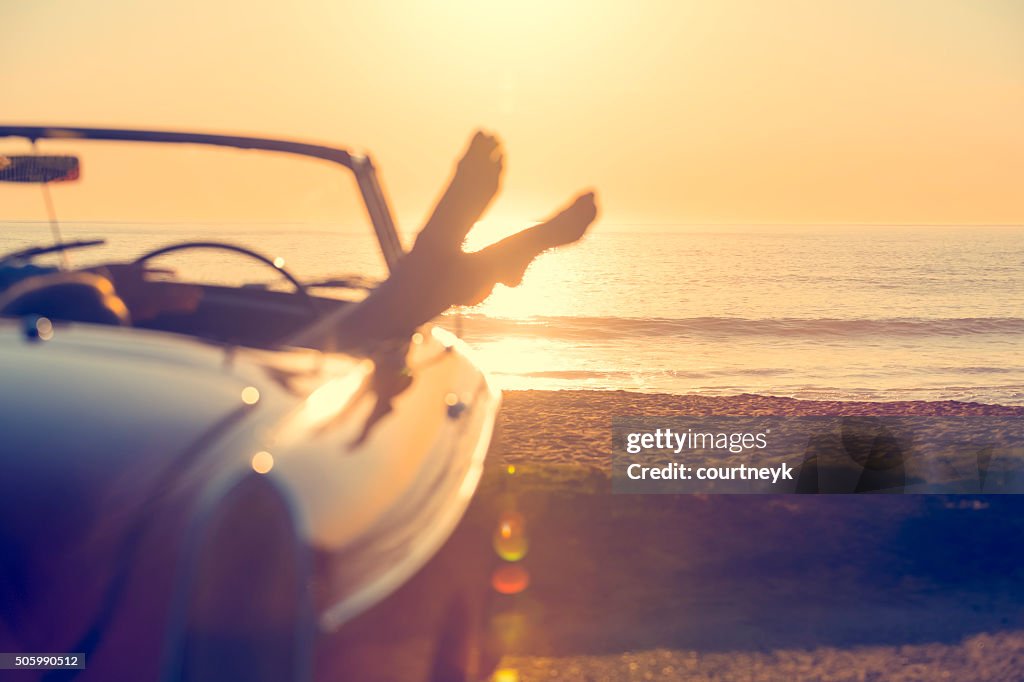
765, 587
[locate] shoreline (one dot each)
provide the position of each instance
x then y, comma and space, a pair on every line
761, 401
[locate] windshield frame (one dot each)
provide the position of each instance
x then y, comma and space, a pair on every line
361, 165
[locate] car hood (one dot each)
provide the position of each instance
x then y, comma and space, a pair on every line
107, 399
99, 427
110, 435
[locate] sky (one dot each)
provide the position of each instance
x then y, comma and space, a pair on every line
902, 111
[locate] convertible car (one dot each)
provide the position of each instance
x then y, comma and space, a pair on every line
194, 490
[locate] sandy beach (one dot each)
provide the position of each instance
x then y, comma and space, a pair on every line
574, 426
764, 587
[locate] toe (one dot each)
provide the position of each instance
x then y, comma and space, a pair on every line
483, 145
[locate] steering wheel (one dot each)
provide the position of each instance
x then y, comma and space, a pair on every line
300, 288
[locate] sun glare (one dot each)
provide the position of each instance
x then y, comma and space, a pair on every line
486, 232
541, 278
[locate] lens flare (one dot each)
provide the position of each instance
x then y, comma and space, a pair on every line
250, 395
510, 628
511, 579
510, 541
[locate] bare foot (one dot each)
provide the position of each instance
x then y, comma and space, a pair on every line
508, 259
476, 181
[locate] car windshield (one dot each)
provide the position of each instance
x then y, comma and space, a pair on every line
303, 212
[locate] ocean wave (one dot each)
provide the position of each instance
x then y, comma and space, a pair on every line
597, 328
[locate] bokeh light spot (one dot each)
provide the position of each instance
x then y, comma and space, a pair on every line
44, 328
262, 462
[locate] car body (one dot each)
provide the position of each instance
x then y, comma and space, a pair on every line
179, 504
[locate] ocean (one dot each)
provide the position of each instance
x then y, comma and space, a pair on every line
816, 312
